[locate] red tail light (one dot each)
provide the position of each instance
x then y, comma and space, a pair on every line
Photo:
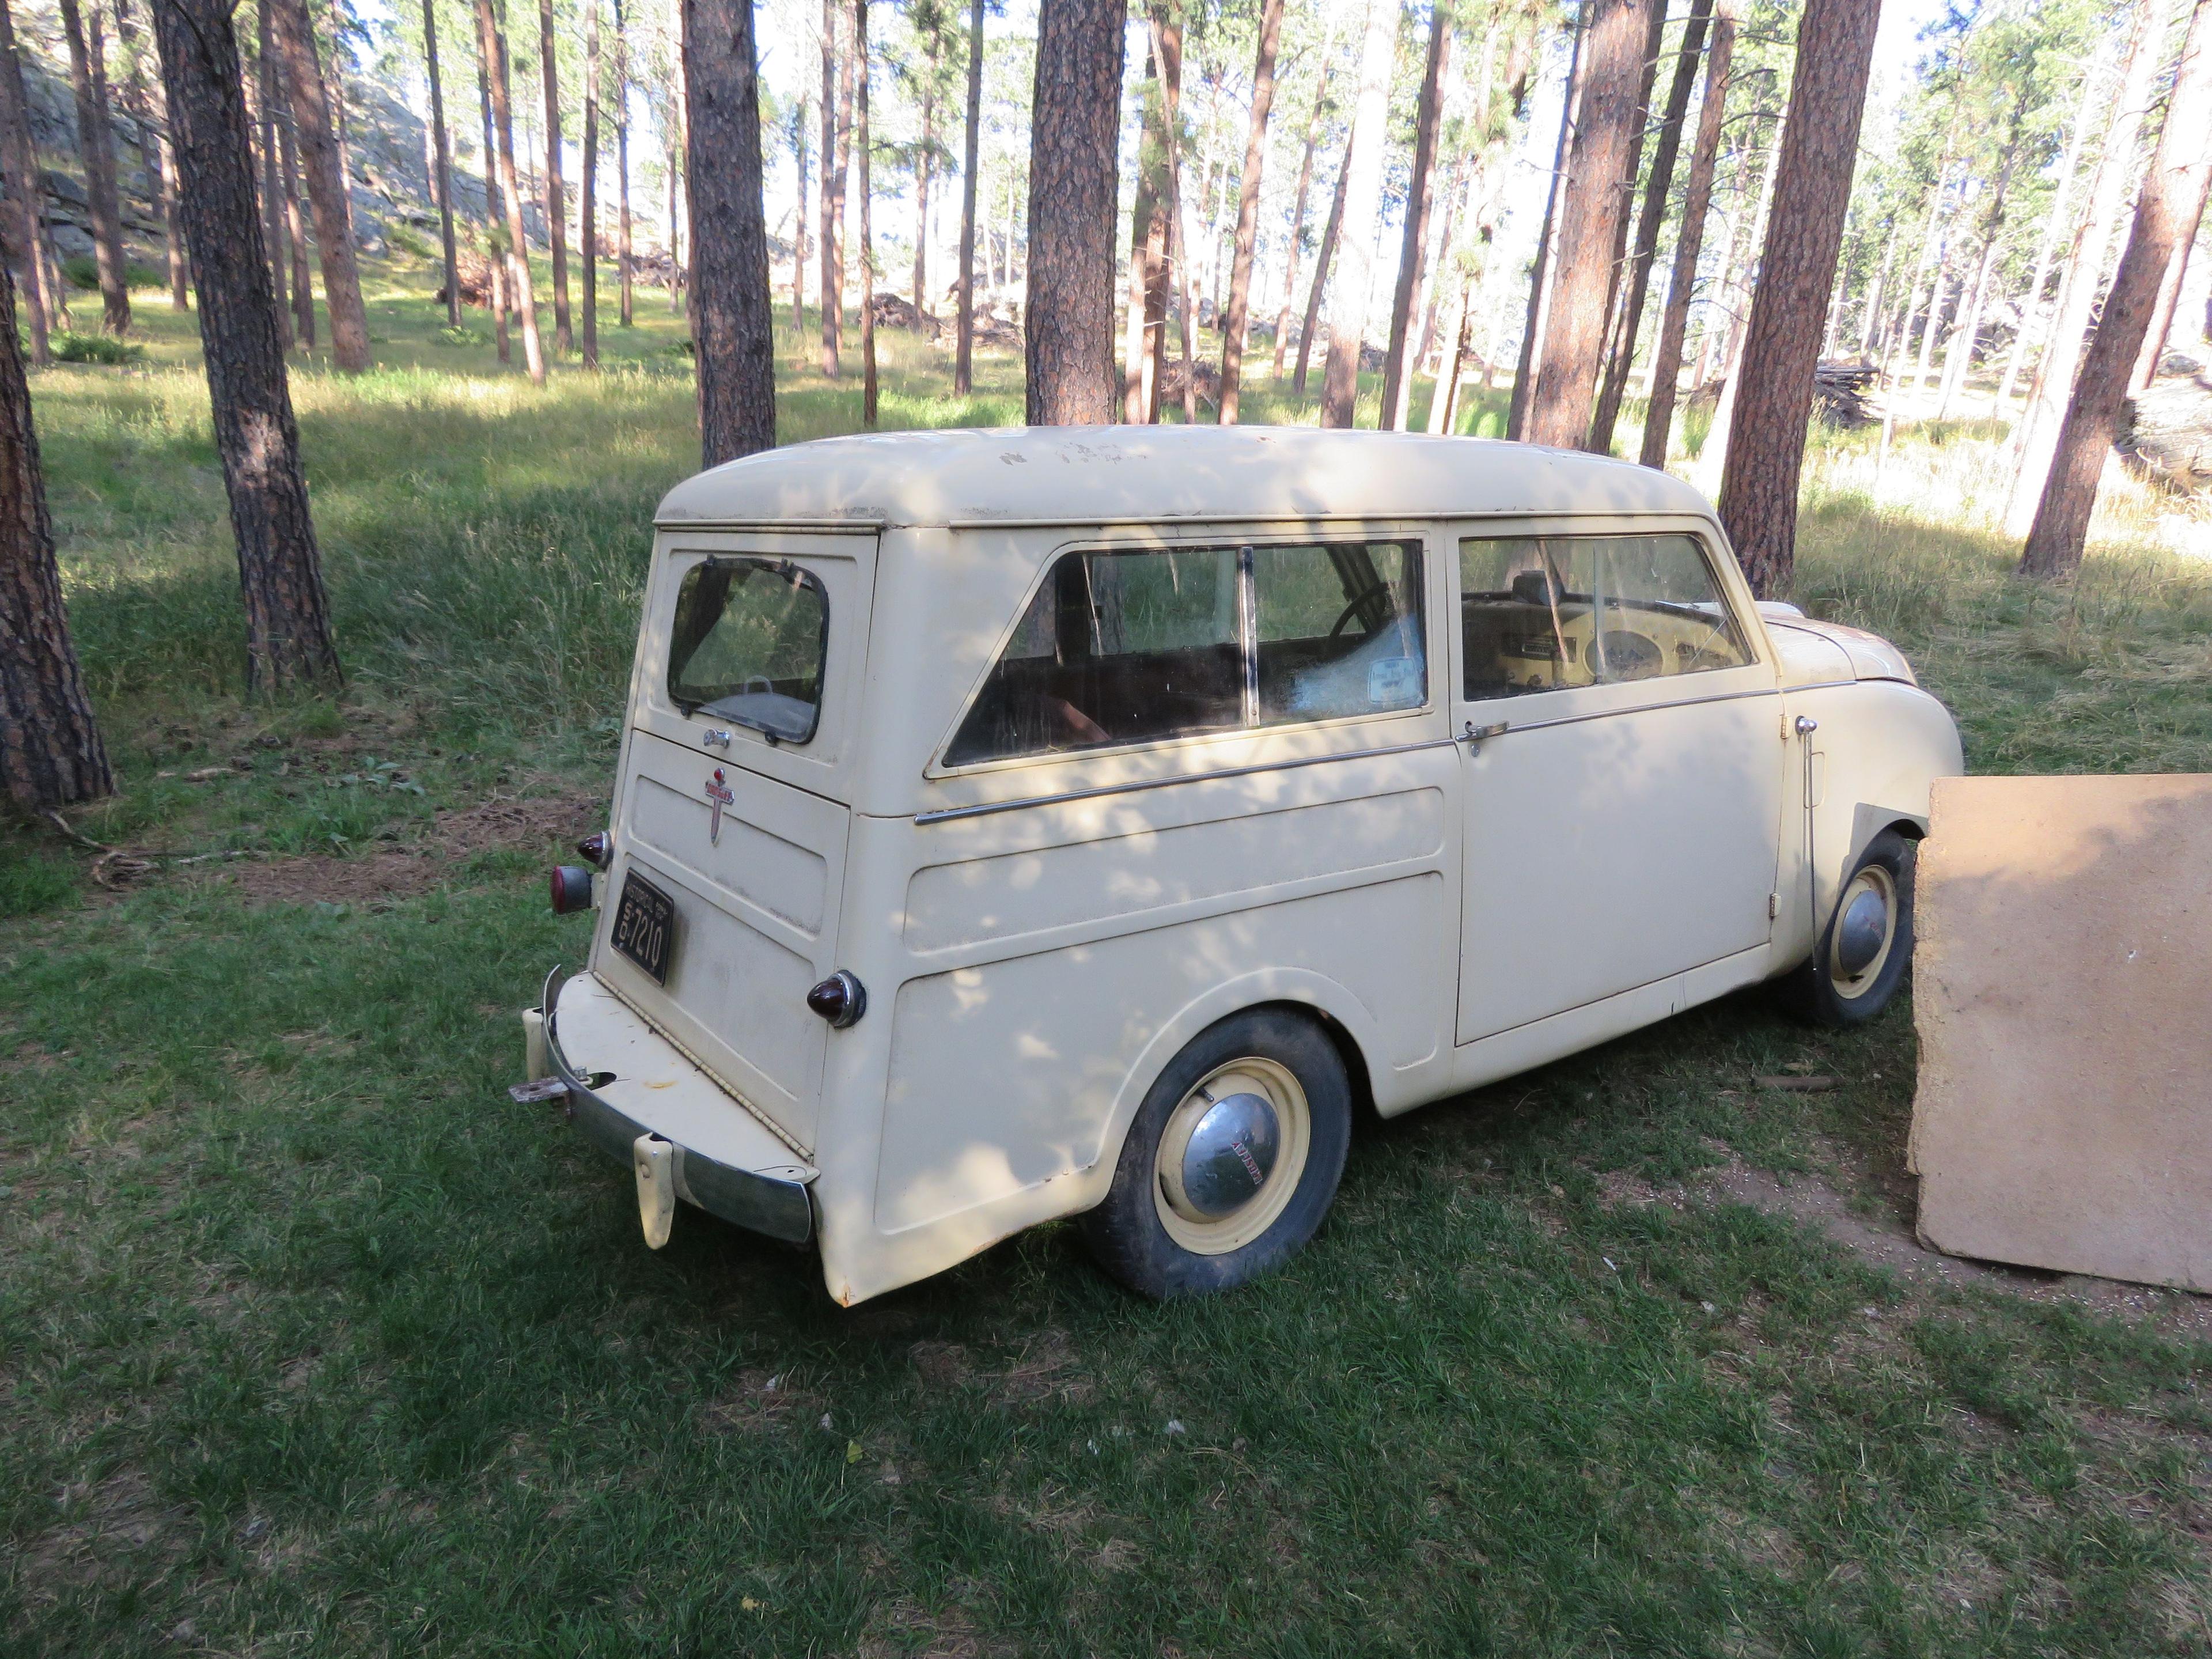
598, 851
571, 888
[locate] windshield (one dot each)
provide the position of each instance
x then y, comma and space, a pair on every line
748, 645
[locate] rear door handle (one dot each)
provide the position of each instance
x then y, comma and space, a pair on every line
1475, 736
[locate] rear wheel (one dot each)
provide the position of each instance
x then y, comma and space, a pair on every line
1866, 947
1232, 1160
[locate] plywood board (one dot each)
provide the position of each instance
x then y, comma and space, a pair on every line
2062, 993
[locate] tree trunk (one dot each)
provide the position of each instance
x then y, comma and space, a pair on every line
800, 123
1547, 261
288, 644
836, 139
963, 359
869, 393
495, 220
2172, 194
1648, 224
921, 171
1332, 232
556, 229
326, 190
445, 164
18, 162
675, 131
295, 231
1362, 204
1148, 233
2169, 298
157, 165
1298, 213
1413, 248
1804, 233
50, 749
338, 122
1167, 42
1870, 321
588, 209
96, 144
734, 310
2055, 224
2037, 436
1591, 209
624, 257
1467, 260
493, 46
1074, 134
1248, 209
1712, 457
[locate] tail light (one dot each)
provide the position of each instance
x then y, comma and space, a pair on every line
598, 851
571, 888
841, 998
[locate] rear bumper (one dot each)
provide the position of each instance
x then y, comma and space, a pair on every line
757, 1185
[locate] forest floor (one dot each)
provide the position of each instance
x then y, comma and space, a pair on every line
310, 1342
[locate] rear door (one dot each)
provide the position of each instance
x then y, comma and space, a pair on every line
733, 808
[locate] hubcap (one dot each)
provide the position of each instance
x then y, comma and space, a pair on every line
1230, 1155
1865, 933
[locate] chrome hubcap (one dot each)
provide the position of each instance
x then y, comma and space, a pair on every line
1861, 932
1230, 1156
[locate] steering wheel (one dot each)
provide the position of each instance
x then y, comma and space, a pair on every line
1352, 609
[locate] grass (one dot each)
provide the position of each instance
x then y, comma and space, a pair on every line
310, 1342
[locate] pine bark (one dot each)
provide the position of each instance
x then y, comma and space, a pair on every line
445, 165
1590, 213
1649, 222
2169, 298
588, 218
1363, 203
288, 642
495, 220
301, 276
50, 754
1798, 265
1074, 136
272, 176
493, 47
309, 102
833, 189
1540, 277
924, 154
963, 350
2172, 193
1148, 241
87, 57
1332, 232
1299, 218
556, 222
1413, 250
18, 162
869, 392
623, 251
1248, 209
153, 152
2036, 437
734, 310
1697, 198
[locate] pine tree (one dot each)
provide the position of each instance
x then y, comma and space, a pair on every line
1075, 110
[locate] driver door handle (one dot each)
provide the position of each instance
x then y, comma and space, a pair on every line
1475, 736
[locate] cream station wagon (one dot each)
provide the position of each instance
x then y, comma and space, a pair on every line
1014, 825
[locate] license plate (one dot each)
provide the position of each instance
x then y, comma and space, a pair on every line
645, 926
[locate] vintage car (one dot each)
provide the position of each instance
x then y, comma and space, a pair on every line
1013, 825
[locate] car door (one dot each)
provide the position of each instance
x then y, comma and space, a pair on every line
1621, 754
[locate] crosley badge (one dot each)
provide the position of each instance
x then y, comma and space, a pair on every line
719, 792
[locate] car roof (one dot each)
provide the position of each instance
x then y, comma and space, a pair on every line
1150, 474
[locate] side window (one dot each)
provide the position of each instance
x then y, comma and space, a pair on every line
1121, 648
1544, 613
1339, 630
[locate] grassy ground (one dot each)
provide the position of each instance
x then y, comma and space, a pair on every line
310, 1342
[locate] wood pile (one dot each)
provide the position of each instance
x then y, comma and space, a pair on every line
2167, 431
1840, 392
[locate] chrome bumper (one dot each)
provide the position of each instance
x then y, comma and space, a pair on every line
744, 1198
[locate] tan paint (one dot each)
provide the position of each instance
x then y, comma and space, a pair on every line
1032, 969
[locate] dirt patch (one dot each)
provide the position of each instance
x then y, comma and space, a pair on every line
390, 874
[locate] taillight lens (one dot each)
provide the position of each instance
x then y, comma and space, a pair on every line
841, 998
571, 888
598, 851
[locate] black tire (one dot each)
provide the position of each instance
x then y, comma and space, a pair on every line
1817, 990
1127, 1234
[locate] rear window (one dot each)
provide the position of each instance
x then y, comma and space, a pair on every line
749, 641
1140, 647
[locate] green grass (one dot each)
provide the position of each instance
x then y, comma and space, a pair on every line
311, 1342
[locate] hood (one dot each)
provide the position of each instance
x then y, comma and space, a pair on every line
1813, 651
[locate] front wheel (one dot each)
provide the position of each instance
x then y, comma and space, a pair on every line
1232, 1160
1863, 954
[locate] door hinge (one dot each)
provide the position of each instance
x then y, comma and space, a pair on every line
1773, 905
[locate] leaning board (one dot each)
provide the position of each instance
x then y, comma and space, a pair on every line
2062, 994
